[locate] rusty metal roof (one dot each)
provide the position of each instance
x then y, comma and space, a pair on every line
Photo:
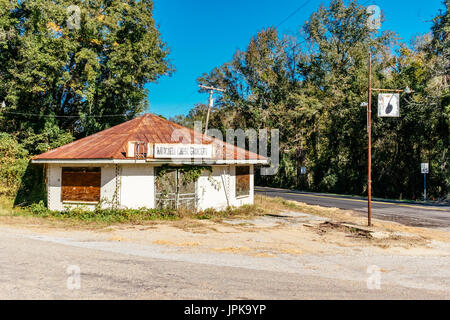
149, 128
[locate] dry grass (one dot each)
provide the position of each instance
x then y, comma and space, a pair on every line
278, 205
210, 231
232, 249
177, 244
291, 251
12, 218
84, 219
194, 226
424, 233
243, 250
210, 220
6, 207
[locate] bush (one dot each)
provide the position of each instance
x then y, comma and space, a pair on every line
13, 164
32, 186
39, 209
329, 182
118, 215
110, 215
18, 177
101, 215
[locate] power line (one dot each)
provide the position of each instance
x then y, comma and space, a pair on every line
293, 13
367, 2
305, 4
56, 116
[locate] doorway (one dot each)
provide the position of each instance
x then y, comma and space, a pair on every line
173, 191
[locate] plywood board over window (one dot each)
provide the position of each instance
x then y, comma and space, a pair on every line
81, 184
242, 181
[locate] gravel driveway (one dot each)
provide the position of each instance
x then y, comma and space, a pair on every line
42, 265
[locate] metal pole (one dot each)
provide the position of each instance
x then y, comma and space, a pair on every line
177, 190
424, 187
209, 109
369, 131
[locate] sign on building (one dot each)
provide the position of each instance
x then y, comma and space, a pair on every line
425, 168
388, 105
183, 151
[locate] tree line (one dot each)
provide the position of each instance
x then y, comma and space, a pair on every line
310, 86
70, 68
65, 74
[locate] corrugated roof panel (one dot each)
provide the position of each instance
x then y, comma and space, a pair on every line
112, 143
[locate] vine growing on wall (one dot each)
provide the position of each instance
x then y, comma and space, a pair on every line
191, 173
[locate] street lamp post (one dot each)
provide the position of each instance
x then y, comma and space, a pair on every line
369, 134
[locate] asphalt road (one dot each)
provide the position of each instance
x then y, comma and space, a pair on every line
406, 213
39, 266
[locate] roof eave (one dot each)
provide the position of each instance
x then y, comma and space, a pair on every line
151, 161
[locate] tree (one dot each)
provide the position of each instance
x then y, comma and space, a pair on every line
75, 76
311, 90
311, 87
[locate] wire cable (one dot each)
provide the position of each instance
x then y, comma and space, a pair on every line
293, 13
56, 116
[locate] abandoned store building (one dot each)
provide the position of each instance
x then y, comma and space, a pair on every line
149, 162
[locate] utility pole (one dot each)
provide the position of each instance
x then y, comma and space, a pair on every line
425, 169
211, 102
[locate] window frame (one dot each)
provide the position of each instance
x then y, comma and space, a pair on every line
236, 175
157, 194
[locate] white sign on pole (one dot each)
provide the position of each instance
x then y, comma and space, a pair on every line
183, 151
425, 168
303, 170
388, 105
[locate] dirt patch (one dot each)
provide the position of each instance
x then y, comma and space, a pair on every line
194, 226
367, 236
351, 217
283, 227
350, 230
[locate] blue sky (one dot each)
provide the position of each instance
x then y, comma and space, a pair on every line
203, 34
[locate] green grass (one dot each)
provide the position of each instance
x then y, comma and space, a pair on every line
111, 216
100, 215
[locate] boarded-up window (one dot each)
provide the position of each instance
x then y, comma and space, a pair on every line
242, 181
81, 184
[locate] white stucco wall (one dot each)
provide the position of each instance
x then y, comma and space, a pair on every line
54, 187
137, 186
108, 182
214, 194
212, 190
